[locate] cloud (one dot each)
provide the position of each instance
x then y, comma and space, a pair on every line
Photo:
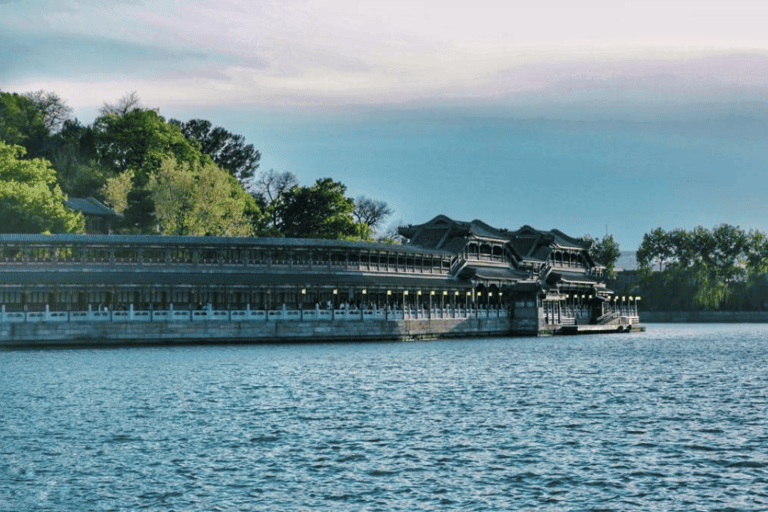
84, 56
330, 54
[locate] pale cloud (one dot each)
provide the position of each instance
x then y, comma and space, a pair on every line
299, 53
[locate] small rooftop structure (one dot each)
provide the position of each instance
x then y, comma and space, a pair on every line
99, 218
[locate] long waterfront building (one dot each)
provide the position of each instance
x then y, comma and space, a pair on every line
544, 277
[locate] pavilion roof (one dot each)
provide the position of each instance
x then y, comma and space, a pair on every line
445, 233
505, 274
209, 241
117, 277
90, 206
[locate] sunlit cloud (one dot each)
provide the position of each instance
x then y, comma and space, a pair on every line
330, 54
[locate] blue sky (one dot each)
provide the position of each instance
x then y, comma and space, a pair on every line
582, 116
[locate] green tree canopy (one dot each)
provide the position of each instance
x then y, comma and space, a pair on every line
23, 124
229, 151
655, 247
73, 154
52, 108
194, 199
30, 198
140, 140
705, 268
605, 251
319, 211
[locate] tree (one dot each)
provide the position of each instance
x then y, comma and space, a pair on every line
717, 262
129, 101
53, 109
171, 189
756, 254
140, 140
273, 185
193, 199
392, 234
705, 268
269, 189
117, 189
370, 212
756, 262
725, 252
319, 211
222, 207
23, 124
30, 198
605, 251
655, 247
228, 151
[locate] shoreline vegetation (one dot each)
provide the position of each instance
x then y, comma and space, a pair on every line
722, 270
159, 177
704, 317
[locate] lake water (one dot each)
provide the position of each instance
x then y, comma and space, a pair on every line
672, 419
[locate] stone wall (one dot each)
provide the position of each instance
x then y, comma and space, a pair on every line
118, 333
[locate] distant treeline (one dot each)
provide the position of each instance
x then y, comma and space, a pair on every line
723, 268
167, 177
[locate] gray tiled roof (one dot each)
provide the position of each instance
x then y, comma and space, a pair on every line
542, 253
90, 206
430, 237
564, 240
570, 277
112, 277
482, 229
211, 241
524, 245
491, 273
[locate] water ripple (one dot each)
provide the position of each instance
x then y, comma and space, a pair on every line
673, 419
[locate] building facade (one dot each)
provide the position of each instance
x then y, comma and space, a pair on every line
542, 278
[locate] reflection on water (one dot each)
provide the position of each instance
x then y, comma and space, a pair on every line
671, 419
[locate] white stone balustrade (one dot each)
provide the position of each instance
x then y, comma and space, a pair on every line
211, 315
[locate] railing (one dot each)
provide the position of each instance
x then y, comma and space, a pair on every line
457, 264
248, 315
627, 317
608, 317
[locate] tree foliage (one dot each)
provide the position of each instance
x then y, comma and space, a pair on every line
23, 124
655, 247
117, 189
140, 140
30, 198
319, 211
605, 251
174, 177
392, 235
719, 268
229, 151
269, 189
194, 199
272, 185
52, 108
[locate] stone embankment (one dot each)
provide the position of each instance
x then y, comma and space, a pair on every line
99, 328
